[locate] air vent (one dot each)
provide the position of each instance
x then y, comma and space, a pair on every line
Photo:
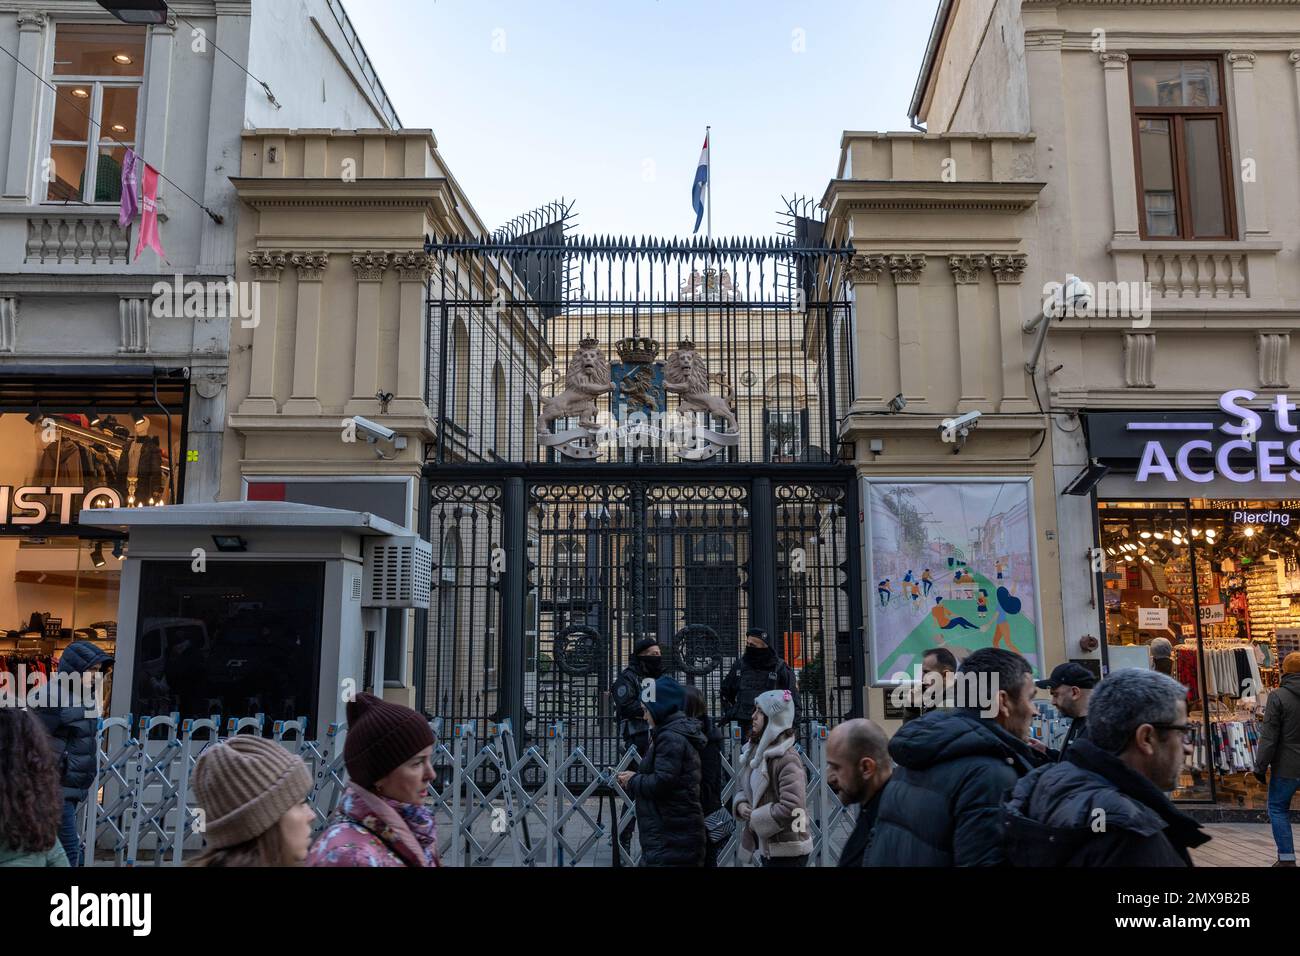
398, 572
356, 589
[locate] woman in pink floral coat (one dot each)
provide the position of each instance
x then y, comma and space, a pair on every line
382, 819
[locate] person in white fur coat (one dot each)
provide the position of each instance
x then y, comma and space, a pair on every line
771, 787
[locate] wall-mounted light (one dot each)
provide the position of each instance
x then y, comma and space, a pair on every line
97, 555
119, 550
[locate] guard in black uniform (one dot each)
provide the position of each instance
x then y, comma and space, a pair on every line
756, 671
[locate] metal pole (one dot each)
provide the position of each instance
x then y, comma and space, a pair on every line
708, 138
514, 592
762, 561
857, 608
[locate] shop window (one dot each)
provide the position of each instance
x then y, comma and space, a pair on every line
1183, 158
238, 640
1208, 593
98, 73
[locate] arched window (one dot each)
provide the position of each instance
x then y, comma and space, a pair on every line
501, 439
458, 375
785, 419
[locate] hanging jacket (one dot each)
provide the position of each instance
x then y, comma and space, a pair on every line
72, 732
1091, 809
943, 805
1279, 734
369, 830
666, 789
60, 465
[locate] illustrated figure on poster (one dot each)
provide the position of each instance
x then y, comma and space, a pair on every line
982, 601
927, 581
1000, 566
915, 593
884, 591
1007, 605
946, 621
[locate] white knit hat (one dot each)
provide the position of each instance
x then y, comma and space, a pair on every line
778, 705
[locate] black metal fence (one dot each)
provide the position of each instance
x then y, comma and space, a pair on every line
636, 439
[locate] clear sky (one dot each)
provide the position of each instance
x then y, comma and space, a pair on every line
606, 101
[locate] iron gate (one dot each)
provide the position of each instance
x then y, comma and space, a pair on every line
635, 439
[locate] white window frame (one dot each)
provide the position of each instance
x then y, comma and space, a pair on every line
95, 108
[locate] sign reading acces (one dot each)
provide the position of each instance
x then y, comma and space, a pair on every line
1272, 459
36, 504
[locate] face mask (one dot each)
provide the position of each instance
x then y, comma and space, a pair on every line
652, 666
759, 655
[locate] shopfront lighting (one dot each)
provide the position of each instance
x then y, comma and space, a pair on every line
137, 11
1249, 532
1144, 534
123, 58
119, 551
1159, 536
1128, 557
97, 555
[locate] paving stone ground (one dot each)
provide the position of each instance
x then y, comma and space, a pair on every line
1238, 844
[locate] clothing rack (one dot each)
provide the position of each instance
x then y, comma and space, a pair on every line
101, 437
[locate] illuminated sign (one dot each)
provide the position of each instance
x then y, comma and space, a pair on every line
36, 504
1272, 460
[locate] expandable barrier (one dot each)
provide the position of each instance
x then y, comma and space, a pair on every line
494, 805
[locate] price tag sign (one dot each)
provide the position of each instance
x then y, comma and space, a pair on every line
1189, 630
1153, 618
1212, 614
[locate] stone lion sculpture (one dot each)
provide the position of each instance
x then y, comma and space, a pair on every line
586, 377
685, 374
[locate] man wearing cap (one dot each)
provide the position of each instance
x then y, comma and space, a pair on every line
1071, 685
645, 666
755, 672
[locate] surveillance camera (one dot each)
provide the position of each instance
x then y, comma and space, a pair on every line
1076, 296
897, 403
373, 431
959, 425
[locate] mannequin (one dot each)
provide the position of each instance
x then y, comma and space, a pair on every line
139, 470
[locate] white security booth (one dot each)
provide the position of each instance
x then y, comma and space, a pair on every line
256, 607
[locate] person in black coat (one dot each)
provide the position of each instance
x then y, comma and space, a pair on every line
72, 735
858, 769
955, 768
666, 787
1071, 685
755, 672
646, 664
1104, 804
710, 766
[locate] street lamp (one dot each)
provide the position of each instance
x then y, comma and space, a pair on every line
137, 11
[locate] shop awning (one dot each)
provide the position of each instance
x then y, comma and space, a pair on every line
110, 388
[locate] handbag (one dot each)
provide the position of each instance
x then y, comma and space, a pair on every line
720, 824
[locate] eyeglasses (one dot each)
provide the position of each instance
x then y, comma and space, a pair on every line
1186, 730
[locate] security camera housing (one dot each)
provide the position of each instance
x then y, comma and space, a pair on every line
960, 424
373, 431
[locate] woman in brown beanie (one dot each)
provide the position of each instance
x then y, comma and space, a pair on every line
252, 793
382, 819
31, 801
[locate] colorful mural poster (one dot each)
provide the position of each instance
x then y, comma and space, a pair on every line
950, 564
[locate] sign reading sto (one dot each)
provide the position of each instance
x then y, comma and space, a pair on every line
1244, 457
34, 504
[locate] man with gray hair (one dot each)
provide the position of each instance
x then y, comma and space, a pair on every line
857, 769
1104, 804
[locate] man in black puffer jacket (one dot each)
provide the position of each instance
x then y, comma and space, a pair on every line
954, 768
1104, 803
666, 786
72, 733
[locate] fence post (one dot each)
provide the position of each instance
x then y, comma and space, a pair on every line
823, 824
513, 597
553, 851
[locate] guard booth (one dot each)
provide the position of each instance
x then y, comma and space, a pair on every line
246, 608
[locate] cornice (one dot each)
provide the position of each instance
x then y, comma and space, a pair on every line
1009, 198
434, 195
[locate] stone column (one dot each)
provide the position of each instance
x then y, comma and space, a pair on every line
27, 96
966, 271
1119, 140
8, 324
1008, 270
266, 267
864, 273
413, 271
303, 400
1245, 113
906, 270
157, 90
369, 268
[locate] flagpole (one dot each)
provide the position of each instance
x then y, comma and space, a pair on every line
708, 138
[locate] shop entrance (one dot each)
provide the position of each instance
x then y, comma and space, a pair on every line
1208, 591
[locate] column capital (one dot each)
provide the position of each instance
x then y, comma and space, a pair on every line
866, 268
267, 265
310, 265
413, 266
1113, 61
1009, 269
907, 268
370, 266
966, 269
31, 21
1295, 59
1242, 60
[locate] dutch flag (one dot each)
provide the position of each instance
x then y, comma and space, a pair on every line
701, 183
